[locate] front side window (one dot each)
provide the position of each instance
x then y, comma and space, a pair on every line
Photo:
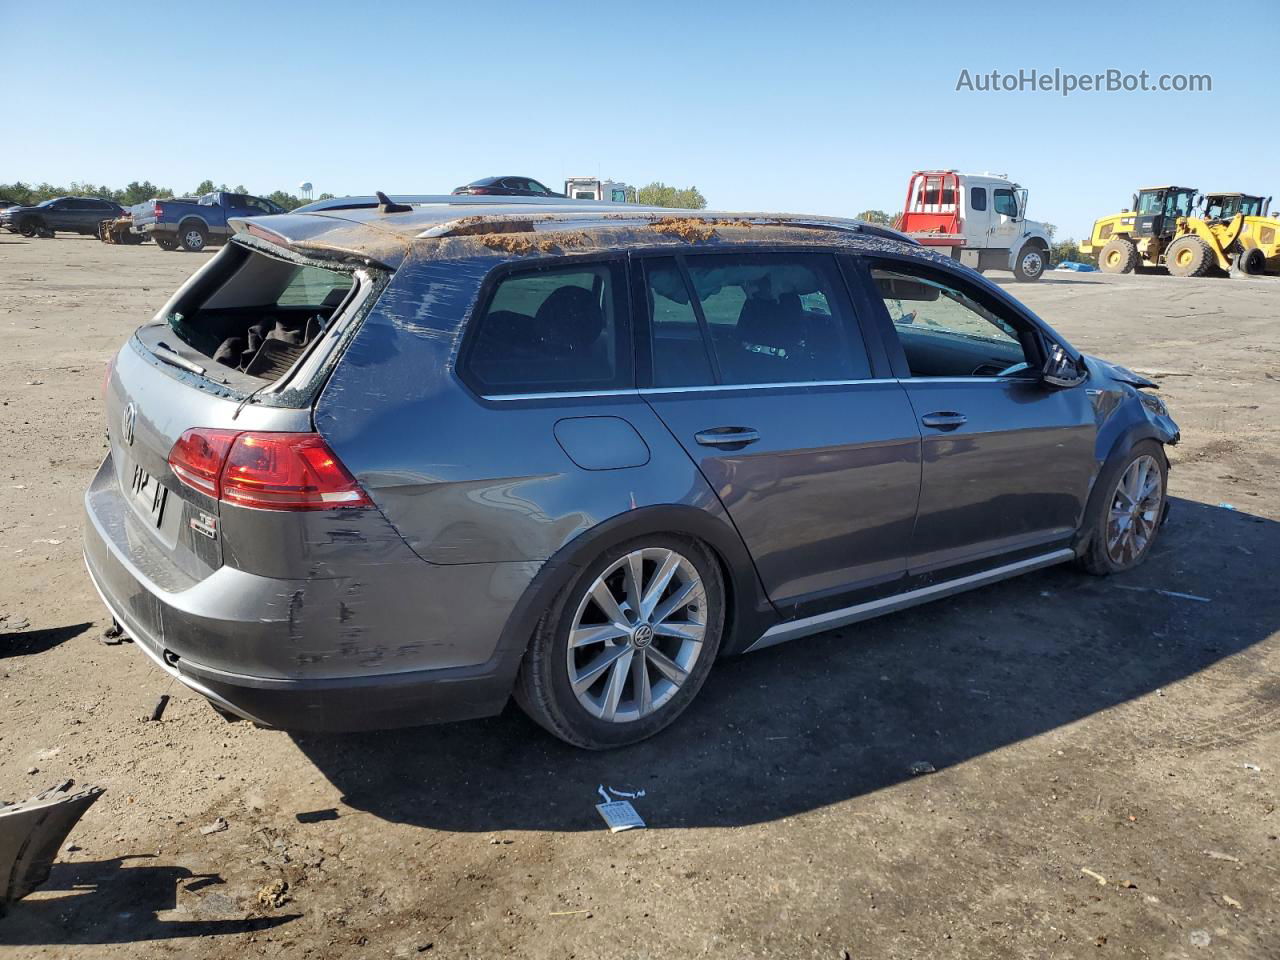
1006, 204
978, 198
752, 319
944, 331
551, 330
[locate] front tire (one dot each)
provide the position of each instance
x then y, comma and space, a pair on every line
29, 227
625, 647
1031, 263
1189, 256
1123, 523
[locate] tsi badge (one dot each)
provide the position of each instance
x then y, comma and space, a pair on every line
205, 525
127, 421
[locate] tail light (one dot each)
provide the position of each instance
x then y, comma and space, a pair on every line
106, 376
159, 210
268, 471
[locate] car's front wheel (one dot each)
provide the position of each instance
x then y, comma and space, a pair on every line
625, 646
1125, 521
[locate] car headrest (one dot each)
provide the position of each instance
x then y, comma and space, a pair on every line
569, 319
772, 323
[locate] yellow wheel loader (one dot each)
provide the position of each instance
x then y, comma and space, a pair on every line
1234, 230
1139, 236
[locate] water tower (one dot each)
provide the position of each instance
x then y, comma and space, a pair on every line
305, 187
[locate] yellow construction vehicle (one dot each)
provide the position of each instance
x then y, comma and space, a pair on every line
1140, 236
1233, 230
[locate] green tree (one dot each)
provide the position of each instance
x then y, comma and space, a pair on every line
137, 192
286, 200
1065, 250
326, 196
206, 186
658, 194
875, 216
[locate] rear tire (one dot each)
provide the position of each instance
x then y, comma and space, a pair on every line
192, 238
1118, 256
1189, 256
600, 678
1030, 264
1125, 517
1252, 261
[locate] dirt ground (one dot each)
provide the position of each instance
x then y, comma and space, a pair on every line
1107, 755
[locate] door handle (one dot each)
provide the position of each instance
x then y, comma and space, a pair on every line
727, 437
944, 420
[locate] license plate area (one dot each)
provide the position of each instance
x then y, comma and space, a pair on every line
149, 496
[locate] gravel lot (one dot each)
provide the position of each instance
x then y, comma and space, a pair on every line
1083, 730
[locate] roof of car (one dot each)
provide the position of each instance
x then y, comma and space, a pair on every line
519, 228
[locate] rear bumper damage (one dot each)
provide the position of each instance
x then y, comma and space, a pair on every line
278, 652
31, 833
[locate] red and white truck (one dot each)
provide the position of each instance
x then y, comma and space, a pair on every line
979, 219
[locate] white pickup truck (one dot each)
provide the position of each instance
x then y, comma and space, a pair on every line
979, 219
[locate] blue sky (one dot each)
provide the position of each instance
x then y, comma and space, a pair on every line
807, 107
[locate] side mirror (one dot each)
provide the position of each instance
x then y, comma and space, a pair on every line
1061, 369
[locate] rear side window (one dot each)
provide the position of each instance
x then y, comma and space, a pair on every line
552, 330
752, 319
978, 198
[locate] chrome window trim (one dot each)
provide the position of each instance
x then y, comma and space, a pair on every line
646, 391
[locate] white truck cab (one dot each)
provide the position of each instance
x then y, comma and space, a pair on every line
604, 191
977, 218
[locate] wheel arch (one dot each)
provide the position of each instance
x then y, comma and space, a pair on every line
1112, 446
748, 612
193, 218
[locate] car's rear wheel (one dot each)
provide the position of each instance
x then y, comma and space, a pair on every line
1124, 523
191, 237
625, 646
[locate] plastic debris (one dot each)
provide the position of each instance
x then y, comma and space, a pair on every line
1232, 902
1227, 506
921, 767
619, 814
216, 827
1252, 766
32, 832
1164, 593
1102, 881
1200, 938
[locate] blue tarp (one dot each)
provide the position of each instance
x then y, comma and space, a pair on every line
1078, 267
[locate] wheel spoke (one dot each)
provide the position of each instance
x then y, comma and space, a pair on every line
635, 581
641, 688
595, 633
685, 594
598, 666
666, 666
617, 680
608, 604
658, 585
685, 630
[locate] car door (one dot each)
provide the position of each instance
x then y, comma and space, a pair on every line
58, 215
1005, 226
756, 364
1007, 458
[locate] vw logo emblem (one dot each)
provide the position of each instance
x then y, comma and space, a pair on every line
643, 635
126, 424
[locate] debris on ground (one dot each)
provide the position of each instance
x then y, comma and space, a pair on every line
274, 894
1232, 902
16, 624
1200, 938
1214, 854
1252, 766
158, 710
921, 767
216, 827
618, 814
113, 635
31, 832
1102, 881
1164, 593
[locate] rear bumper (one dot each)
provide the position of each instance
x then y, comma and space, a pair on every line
183, 631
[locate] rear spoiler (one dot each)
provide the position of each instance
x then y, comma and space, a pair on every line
320, 238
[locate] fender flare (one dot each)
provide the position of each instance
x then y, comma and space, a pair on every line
1124, 441
1035, 238
748, 611
204, 224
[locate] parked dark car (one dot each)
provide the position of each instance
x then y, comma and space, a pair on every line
507, 187
193, 224
381, 467
61, 214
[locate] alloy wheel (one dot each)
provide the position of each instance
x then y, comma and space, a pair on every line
636, 635
1135, 511
193, 240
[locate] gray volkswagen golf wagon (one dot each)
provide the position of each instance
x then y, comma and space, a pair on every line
392, 464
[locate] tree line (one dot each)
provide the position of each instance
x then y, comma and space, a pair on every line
135, 192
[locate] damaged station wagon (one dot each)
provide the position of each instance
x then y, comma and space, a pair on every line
392, 464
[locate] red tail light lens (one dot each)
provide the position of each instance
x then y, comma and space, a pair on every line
106, 376
269, 471
159, 210
197, 458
